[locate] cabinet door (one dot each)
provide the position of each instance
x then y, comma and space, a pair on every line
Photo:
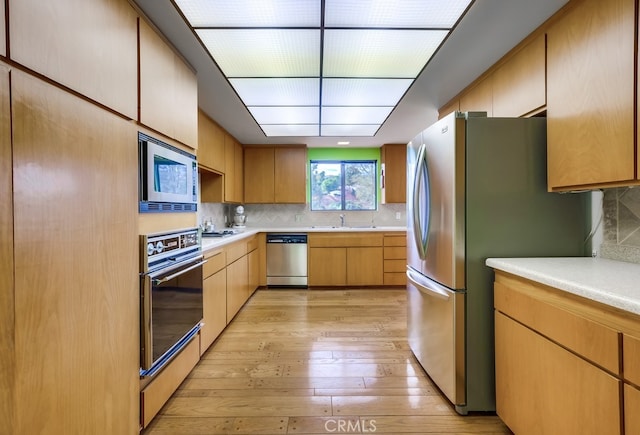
365, 266
290, 176
259, 175
229, 168
7, 356
76, 290
254, 272
214, 300
88, 46
479, 98
168, 89
631, 408
238, 156
542, 388
590, 95
3, 31
210, 144
393, 157
519, 85
237, 283
327, 266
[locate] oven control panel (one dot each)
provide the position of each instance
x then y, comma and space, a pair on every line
168, 245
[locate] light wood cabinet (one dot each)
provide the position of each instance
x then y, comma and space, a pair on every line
7, 321
243, 268
211, 152
339, 259
542, 388
519, 85
395, 259
3, 31
214, 298
275, 175
393, 160
88, 46
479, 98
76, 299
327, 266
233, 175
590, 96
564, 364
168, 89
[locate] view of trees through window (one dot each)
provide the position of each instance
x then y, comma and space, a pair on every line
343, 185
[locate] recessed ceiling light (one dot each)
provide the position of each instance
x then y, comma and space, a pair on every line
301, 73
344, 142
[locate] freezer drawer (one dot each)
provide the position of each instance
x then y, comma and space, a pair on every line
436, 334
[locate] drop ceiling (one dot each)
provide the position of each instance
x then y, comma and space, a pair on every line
316, 72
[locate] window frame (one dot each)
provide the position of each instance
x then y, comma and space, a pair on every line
343, 199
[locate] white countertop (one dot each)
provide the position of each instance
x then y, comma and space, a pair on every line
610, 282
216, 242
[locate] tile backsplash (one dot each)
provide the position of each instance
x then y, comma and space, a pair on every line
621, 224
299, 215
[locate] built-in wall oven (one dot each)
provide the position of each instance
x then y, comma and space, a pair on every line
171, 296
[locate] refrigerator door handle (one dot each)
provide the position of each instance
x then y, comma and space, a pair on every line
425, 285
420, 238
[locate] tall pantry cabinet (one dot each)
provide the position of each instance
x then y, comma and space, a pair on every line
69, 295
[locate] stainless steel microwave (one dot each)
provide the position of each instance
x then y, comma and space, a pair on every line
168, 177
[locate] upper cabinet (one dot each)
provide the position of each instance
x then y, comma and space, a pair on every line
95, 56
3, 31
479, 98
590, 96
275, 175
393, 159
233, 175
519, 84
210, 144
168, 89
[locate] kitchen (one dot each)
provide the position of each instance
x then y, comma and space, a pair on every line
67, 198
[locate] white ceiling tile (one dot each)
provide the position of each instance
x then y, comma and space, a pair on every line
394, 13
363, 92
290, 130
348, 130
278, 92
264, 52
285, 115
355, 115
251, 13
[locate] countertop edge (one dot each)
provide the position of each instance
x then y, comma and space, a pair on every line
610, 282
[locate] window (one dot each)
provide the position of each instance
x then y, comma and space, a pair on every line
343, 185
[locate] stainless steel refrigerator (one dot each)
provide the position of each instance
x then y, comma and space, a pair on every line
476, 188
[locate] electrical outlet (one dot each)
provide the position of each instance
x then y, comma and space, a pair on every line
594, 253
298, 217
398, 215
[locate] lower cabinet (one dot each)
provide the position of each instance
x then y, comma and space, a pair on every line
341, 259
564, 364
214, 298
395, 259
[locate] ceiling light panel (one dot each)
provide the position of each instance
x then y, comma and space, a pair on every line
291, 130
363, 92
278, 92
378, 53
285, 115
355, 115
348, 130
421, 14
264, 52
251, 13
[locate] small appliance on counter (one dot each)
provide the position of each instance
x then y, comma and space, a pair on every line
239, 219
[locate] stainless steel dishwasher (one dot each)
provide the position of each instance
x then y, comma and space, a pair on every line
286, 260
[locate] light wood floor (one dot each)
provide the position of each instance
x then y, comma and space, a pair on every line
314, 362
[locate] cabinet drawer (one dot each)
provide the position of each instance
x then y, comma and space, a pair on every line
631, 359
395, 253
236, 250
587, 338
216, 260
395, 278
332, 240
399, 240
395, 266
252, 244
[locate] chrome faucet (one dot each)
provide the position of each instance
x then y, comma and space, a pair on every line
342, 220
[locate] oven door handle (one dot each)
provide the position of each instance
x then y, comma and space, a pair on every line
174, 275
